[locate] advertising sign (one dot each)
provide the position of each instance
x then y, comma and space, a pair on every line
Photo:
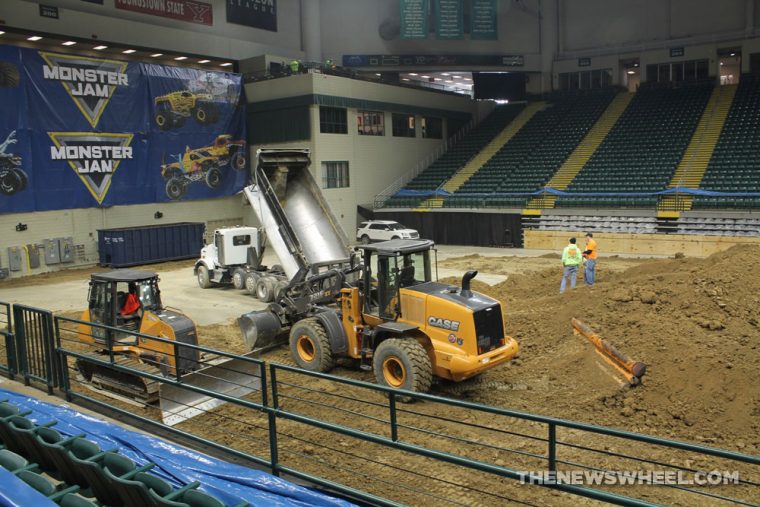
79, 132
255, 13
192, 11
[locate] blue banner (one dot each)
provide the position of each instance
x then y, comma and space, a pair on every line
80, 132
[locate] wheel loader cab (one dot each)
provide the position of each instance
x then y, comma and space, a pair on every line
390, 266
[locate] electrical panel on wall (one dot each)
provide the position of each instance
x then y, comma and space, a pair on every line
15, 258
33, 251
52, 254
66, 249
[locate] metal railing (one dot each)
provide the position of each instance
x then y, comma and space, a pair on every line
358, 439
34, 346
7, 342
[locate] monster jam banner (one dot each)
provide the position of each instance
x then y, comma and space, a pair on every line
81, 132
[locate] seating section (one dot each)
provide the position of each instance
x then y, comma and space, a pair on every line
458, 155
598, 224
75, 472
735, 163
534, 154
642, 151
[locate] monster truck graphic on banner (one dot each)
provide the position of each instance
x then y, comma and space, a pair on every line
78, 131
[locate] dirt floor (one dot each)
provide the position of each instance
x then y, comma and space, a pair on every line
694, 322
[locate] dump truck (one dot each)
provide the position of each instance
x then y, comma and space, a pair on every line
377, 304
110, 331
234, 257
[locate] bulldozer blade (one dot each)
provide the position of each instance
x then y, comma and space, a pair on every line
234, 378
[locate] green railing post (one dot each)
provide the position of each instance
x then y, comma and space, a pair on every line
394, 423
272, 417
177, 373
552, 447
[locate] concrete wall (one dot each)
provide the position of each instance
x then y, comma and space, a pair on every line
222, 40
82, 225
643, 244
374, 161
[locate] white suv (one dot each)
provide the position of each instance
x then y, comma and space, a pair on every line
381, 230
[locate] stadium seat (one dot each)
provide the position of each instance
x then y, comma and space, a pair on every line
45, 487
15, 463
24, 432
56, 446
86, 457
161, 492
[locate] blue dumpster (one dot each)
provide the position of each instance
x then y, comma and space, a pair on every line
130, 246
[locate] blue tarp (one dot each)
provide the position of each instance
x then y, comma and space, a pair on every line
553, 191
179, 465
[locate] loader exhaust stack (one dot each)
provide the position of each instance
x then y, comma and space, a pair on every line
466, 292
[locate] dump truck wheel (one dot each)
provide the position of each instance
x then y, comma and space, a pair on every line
214, 177
310, 346
250, 283
238, 278
265, 289
402, 363
204, 282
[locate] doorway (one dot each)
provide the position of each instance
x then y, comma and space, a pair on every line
630, 74
730, 65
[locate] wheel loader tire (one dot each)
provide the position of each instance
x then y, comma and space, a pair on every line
250, 283
310, 346
402, 363
204, 282
238, 278
265, 289
365, 240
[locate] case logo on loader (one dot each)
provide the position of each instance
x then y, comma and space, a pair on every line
451, 325
90, 82
94, 157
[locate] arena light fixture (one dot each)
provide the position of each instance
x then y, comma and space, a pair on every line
412, 73
631, 72
180, 58
100, 48
449, 81
436, 79
34, 38
226, 64
156, 55
405, 79
425, 77
468, 79
129, 51
444, 73
457, 77
1, 32
68, 43
203, 61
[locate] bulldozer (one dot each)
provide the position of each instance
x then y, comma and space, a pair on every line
384, 311
127, 339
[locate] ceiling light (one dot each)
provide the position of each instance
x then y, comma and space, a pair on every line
226, 64
129, 51
449, 81
444, 73
203, 61
405, 79
180, 58
378, 74
425, 77
1, 32
68, 43
156, 55
721, 63
412, 74
99, 48
457, 77
733, 54
631, 72
635, 64
468, 79
437, 78
34, 38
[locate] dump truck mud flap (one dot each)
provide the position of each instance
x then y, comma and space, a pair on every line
200, 391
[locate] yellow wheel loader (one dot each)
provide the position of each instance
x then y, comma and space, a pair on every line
128, 339
385, 311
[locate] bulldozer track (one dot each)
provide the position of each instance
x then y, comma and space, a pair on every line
133, 387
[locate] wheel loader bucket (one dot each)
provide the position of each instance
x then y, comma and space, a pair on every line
234, 378
261, 330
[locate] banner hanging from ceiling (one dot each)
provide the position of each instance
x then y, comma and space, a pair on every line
449, 19
254, 13
483, 20
79, 132
414, 18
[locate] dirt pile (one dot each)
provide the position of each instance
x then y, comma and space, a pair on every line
693, 321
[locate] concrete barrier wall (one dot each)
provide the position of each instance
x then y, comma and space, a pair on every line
643, 244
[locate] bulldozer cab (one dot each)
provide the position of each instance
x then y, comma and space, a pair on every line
109, 295
390, 266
